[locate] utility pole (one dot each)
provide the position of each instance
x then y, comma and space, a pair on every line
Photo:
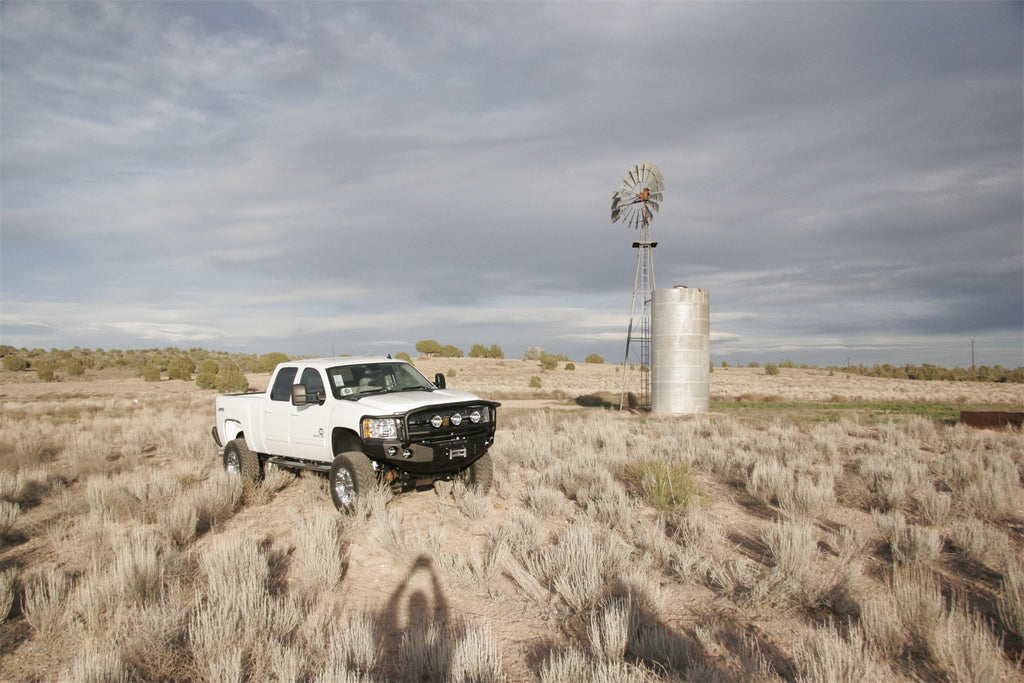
973, 371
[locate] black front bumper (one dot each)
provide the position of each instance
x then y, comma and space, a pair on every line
429, 450
434, 457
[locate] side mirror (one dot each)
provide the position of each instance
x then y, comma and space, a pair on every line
439, 380
298, 394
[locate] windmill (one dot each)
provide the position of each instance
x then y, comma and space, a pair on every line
638, 198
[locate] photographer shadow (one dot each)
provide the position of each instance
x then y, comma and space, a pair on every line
414, 628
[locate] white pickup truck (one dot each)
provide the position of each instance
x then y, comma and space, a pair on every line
362, 421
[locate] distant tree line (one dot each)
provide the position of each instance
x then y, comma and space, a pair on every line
927, 371
983, 373
211, 369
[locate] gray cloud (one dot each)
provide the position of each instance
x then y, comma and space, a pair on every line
845, 178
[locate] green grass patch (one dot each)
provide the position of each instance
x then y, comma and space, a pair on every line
666, 486
836, 410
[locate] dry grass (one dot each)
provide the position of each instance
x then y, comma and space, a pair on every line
613, 547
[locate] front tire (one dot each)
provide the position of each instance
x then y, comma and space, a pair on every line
352, 475
480, 475
238, 459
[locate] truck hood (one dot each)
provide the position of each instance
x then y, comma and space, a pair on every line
402, 402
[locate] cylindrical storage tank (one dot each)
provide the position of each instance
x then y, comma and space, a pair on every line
680, 350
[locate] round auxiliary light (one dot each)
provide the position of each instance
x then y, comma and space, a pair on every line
436, 421
474, 417
456, 419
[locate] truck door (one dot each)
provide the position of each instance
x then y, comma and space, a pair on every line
308, 433
277, 412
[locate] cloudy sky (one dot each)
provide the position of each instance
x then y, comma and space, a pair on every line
845, 178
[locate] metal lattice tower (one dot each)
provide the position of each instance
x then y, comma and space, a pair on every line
638, 197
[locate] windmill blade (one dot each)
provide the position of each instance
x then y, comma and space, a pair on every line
654, 205
657, 175
656, 195
645, 173
634, 176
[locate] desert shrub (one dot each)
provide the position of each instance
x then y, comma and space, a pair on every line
978, 541
268, 361
230, 382
966, 648
96, 665
548, 361
476, 657
570, 366
771, 369
8, 516
934, 506
206, 380
209, 365
1011, 599
139, 566
14, 363
215, 499
8, 591
542, 499
428, 347
769, 481
150, 373
580, 563
535, 382
472, 503
794, 548
403, 356
180, 367
666, 485
74, 367
451, 372
45, 605
829, 656
325, 553
481, 351
46, 371
595, 359
449, 351
533, 353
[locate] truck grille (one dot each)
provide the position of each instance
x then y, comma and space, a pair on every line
439, 422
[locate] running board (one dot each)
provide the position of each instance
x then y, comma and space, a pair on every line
299, 464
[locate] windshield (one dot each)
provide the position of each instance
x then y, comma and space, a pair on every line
353, 380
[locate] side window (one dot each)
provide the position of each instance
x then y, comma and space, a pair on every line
282, 389
312, 381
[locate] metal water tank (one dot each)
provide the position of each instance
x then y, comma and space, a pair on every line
680, 350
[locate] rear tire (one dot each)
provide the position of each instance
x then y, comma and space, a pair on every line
352, 475
238, 459
480, 475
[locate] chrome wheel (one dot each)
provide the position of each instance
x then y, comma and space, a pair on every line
344, 486
232, 463
351, 476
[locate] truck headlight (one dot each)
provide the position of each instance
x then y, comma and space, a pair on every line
380, 428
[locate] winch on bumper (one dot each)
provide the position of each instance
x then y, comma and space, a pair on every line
432, 440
